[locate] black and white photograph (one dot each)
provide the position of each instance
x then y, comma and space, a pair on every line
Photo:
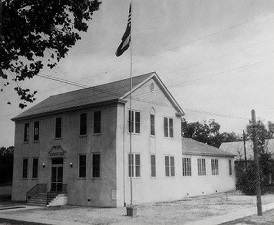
129, 112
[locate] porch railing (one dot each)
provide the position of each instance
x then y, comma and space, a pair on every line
38, 188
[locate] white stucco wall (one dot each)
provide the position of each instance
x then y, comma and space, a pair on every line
81, 191
112, 189
162, 188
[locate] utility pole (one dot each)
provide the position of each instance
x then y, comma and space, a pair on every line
245, 151
257, 166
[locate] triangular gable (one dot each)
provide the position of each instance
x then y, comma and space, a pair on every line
164, 90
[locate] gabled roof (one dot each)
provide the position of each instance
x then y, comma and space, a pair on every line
113, 92
192, 147
237, 148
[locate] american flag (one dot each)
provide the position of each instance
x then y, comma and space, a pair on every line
126, 37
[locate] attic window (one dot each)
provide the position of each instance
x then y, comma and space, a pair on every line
151, 87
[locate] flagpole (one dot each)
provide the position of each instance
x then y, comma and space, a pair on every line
130, 108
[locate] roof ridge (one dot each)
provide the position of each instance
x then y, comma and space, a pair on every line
69, 92
78, 98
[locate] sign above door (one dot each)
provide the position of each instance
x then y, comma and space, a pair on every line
57, 151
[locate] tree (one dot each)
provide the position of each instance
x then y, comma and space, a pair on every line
6, 165
207, 132
37, 34
263, 135
246, 178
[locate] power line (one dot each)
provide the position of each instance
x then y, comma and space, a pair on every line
115, 94
178, 46
155, 103
184, 84
217, 114
221, 56
61, 80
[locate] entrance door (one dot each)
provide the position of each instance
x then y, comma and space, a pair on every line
57, 175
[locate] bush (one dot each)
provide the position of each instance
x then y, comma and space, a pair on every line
246, 178
248, 185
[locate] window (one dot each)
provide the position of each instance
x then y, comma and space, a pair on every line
83, 124
169, 166
96, 165
168, 127
58, 127
230, 166
214, 167
201, 167
134, 122
153, 165
25, 168
26, 132
152, 124
36, 131
152, 121
186, 166
82, 166
35, 168
134, 165
97, 122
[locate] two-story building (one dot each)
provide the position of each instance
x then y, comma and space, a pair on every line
79, 143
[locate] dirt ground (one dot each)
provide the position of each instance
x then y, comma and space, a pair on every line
266, 219
177, 212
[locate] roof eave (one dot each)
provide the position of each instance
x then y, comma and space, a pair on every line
113, 101
209, 154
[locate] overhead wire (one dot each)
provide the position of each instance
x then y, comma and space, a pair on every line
178, 46
152, 102
161, 52
194, 65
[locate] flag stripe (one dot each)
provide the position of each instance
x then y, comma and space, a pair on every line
126, 37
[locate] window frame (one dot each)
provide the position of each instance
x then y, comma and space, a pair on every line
82, 166
83, 128
26, 132
35, 170
58, 128
25, 168
134, 169
168, 127
97, 124
94, 174
201, 164
136, 128
186, 167
169, 168
36, 131
214, 167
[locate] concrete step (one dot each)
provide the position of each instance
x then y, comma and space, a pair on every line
41, 199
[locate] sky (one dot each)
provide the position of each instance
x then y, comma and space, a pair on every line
214, 56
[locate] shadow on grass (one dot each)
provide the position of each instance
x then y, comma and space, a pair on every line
18, 222
5, 198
